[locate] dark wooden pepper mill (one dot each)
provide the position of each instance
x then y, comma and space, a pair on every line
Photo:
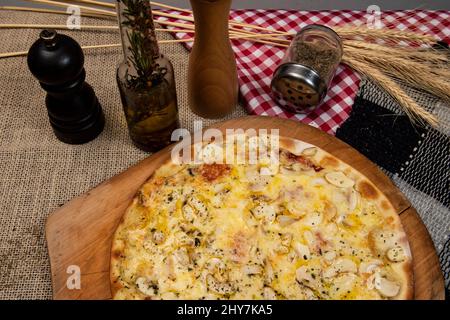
57, 60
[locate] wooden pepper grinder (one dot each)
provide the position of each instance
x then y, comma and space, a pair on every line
57, 60
212, 75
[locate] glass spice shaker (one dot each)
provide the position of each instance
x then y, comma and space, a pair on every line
301, 81
146, 79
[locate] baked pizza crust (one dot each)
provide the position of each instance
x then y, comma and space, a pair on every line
133, 216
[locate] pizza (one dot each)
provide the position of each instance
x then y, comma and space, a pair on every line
307, 226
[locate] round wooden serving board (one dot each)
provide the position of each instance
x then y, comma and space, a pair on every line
80, 232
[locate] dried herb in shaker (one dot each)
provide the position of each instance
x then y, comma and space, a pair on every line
318, 57
301, 81
145, 79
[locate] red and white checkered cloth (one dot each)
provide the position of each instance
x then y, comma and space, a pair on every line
256, 62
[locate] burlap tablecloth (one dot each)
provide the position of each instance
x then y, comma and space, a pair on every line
39, 173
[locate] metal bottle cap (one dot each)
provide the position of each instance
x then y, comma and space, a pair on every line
49, 37
297, 88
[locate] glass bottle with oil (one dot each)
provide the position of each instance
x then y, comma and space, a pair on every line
145, 78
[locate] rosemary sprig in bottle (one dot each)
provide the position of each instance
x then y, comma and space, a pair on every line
143, 46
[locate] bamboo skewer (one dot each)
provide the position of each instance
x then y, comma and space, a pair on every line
24, 53
166, 6
114, 45
174, 30
423, 69
13, 54
236, 23
162, 5
97, 3
345, 32
270, 40
176, 24
97, 46
56, 26
168, 23
40, 10
236, 31
249, 37
231, 22
82, 27
95, 27
161, 14
83, 8
255, 37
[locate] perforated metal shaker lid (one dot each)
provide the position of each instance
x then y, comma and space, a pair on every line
297, 88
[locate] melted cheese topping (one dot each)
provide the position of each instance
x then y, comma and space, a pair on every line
290, 235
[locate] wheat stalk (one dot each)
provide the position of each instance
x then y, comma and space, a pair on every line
434, 79
422, 81
424, 55
415, 112
411, 73
426, 61
385, 33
